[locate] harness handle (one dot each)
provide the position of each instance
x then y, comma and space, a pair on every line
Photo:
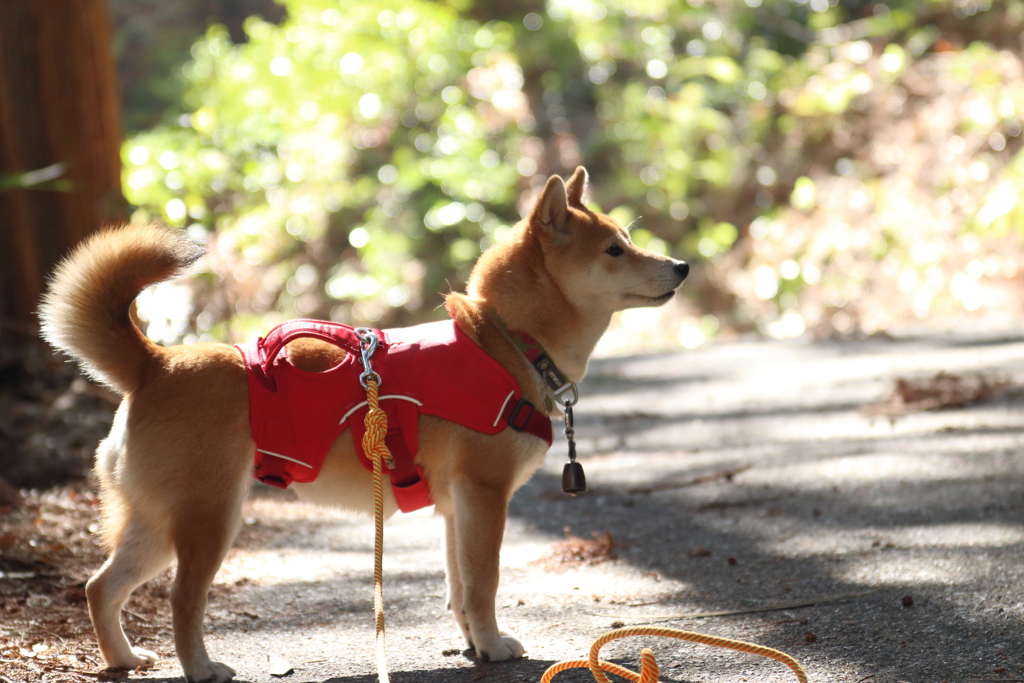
342, 336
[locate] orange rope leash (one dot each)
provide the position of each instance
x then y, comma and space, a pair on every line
649, 666
376, 423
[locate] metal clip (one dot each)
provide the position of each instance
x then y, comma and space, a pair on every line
367, 345
569, 431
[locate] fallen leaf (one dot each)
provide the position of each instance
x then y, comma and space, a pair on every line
942, 390
279, 666
576, 550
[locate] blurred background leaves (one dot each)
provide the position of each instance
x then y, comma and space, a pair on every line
829, 167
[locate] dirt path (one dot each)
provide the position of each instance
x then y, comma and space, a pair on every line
732, 478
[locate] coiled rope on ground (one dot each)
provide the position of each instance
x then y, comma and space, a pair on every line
649, 665
376, 424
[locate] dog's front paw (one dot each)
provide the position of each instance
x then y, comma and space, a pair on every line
502, 648
211, 672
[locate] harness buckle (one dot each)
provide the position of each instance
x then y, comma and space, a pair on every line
513, 420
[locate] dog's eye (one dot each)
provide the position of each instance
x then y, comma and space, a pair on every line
614, 250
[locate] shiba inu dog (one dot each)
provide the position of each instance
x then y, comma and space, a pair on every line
178, 462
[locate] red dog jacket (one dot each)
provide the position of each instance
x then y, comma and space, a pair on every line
432, 368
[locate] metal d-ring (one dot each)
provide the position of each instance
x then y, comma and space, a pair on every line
567, 402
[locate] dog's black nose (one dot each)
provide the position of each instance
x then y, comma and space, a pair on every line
682, 268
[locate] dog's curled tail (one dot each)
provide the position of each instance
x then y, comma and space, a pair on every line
86, 310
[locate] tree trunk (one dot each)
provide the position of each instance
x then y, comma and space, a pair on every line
58, 106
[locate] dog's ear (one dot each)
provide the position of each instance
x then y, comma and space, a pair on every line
576, 186
550, 215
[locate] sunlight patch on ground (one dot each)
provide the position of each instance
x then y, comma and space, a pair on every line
288, 566
963, 535
905, 569
866, 469
279, 509
527, 553
899, 539
323, 544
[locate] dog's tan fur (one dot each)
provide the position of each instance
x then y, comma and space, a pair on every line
177, 463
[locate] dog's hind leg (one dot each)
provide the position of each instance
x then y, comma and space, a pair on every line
201, 539
141, 552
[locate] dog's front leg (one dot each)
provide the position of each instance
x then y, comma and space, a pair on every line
455, 591
479, 524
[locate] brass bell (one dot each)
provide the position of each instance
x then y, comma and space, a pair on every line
573, 479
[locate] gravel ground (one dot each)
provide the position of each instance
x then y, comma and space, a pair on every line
746, 477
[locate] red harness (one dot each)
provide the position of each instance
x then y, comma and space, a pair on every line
432, 368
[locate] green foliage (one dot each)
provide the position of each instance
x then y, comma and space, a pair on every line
394, 125
353, 161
